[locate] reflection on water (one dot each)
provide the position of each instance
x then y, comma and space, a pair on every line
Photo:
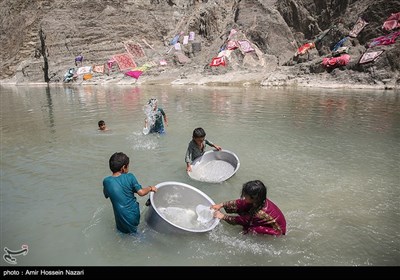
330, 160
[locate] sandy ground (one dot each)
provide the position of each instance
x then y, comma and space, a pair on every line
236, 78
241, 79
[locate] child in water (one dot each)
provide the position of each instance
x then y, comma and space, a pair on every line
155, 117
197, 147
121, 187
102, 125
256, 213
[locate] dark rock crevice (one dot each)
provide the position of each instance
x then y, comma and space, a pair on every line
44, 52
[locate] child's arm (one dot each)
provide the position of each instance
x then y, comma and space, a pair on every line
188, 167
217, 147
211, 144
165, 119
217, 207
188, 158
147, 190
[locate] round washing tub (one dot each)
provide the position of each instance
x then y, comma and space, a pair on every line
172, 209
214, 166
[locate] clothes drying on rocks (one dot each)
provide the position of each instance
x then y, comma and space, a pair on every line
360, 24
232, 45
340, 51
84, 70
370, 57
218, 61
385, 40
124, 61
134, 74
79, 58
98, 68
392, 22
305, 48
245, 46
191, 36
134, 49
340, 43
87, 76
333, 62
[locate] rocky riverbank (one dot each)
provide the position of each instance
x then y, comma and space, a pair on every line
41, 41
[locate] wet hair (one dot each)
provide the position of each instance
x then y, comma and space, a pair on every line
117, 161
100, 123
199, 133
152, 101
257, 191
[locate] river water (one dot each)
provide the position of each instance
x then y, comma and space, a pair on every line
330, 160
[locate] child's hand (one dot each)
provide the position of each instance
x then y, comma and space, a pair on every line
218, 214
216, 207
218, 148
189, 168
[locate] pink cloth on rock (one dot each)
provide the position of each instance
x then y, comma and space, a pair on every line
134, 74
333, 62
385, 40
392, 22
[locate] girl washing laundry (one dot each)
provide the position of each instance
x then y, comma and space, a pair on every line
255, 212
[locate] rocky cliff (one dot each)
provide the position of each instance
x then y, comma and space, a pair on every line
41, 38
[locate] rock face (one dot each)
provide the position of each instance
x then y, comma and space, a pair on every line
40, 40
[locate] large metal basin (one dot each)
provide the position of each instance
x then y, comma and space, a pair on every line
215, 166
173, 209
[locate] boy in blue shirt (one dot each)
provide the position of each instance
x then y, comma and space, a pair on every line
121, 187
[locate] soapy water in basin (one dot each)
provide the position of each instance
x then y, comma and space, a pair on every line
183, 217
212, 171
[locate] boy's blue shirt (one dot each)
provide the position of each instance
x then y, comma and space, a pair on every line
121, 192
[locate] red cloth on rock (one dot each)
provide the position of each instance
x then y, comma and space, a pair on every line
333, 62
